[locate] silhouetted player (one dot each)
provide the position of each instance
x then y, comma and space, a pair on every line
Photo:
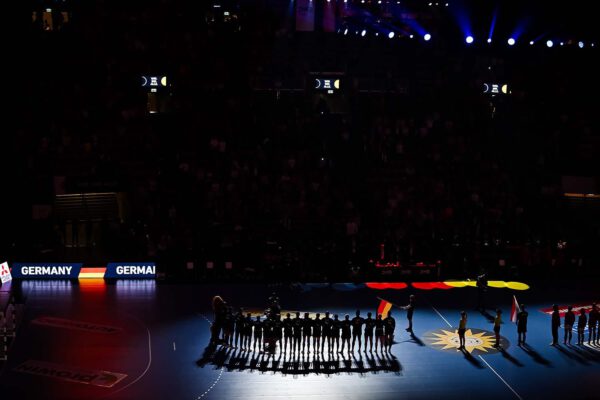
389, 328
357, 323
268, 334
228, 327
522, 324
369, 326
327, 335
317, 333
220, 313
555, 325
258, 334
277, 331
247, 332
306, 332
379, 333
336, 327
569, 322
346, 326
497, 325
462, 328
581, 323
410, 309
287, 332
297, 332
239, 328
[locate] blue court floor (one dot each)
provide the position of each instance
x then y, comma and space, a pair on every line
144, 340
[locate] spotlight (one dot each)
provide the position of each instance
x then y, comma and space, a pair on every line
391, 35
376, 33
469, 39
581, 44
427, 37
593, 44
549, 43
511, 41
363, 33
562, 43
346, 31
531, 43
489, 40
411, 36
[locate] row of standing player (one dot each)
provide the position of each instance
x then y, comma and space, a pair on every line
296, 334
521, 319
592, 323
299, 334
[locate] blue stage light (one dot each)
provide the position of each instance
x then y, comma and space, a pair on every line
581, 44
549, 43
427, 37
469, 39
391, 35
511, 41
363, 33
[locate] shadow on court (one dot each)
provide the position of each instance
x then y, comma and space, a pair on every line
535, 356
471, 359
299, 363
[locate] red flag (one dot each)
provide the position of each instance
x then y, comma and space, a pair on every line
384, 308
515, 309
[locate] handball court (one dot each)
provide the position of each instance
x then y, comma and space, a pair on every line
142, 339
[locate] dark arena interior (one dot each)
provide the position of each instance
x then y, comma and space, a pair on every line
301, 199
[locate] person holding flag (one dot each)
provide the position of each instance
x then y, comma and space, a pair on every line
410, 310
519, 316
522, 324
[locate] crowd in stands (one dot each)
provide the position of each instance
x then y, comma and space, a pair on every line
241, 166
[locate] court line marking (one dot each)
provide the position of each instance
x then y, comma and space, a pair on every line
442, 317
149, 360
220, 373
482, 359
502, 379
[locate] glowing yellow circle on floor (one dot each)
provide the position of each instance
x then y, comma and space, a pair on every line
517, 286
457, 284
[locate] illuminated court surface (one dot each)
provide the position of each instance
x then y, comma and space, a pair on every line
140, 339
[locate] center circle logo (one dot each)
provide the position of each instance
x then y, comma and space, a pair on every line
477, 341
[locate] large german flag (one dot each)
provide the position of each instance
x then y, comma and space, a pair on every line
384, 308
